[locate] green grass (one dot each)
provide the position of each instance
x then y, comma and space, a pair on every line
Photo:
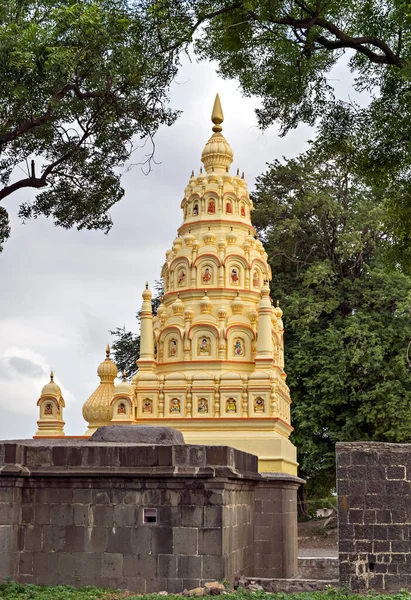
9, 590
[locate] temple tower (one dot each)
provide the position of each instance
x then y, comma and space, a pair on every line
51, 405
211, 362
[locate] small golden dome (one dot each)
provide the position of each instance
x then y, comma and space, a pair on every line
147, 295
178, 306
107, 370
51, 388
278, 311
205, 304
217, 154
237, 305
162, 310
96, 409
124, 387
265, 290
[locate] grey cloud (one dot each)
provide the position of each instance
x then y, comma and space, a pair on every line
24, 366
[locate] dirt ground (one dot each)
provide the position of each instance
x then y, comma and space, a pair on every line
313, 534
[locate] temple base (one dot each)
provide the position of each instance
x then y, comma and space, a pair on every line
265, 438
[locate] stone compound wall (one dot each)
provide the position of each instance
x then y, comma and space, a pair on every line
72, 512
374, 512
275, 528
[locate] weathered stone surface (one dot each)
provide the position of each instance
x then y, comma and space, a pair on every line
374, 499
138, 434
76, 512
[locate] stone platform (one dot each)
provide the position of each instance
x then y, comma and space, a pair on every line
144, 517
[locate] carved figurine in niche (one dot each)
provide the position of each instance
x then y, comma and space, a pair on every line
204, 346
181, 277
239, 347
242, 210
48, 410
259, 405
203, 405
175, 405
147, 406
207, 276
195, 209
231, 405
229, 208
211, 207
172, 347
234, 276
256, 280
121, 409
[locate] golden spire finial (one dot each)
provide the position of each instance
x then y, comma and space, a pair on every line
51, 376
108, 351
124, 375
217, 116
146, 285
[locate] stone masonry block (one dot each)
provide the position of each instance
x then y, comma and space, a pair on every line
42, 514
5, 538
119, 540
189, 567
169, 516
210, 541
185, 540
66, 563
167, 566
62, 514
74, 538
53, 538
5, 513
213, 516
213, 567
146, 566
81, 514
141, 539
89, 566
96, 539
192, 516
45, 563
112, 565
125, 515
162, 540
102, 515
31, 538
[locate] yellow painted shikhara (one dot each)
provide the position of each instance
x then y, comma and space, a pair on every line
212, 359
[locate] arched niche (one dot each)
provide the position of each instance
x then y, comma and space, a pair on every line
204, 342
172, 344
181, 272
207, 270
211, 204
239, 343
174, 406
259, 405
235, 270
194, 206
121, 408
50, 407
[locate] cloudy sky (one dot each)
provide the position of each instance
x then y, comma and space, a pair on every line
62, 291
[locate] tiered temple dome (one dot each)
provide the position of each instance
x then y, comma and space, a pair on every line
212, 360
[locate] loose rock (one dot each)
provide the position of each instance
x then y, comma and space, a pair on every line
199, 591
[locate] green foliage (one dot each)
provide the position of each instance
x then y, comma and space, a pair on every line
16, 591
126, 346
346, 308
80, 82
283, 52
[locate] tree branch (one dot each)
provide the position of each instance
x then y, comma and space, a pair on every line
39, 182
48, 115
